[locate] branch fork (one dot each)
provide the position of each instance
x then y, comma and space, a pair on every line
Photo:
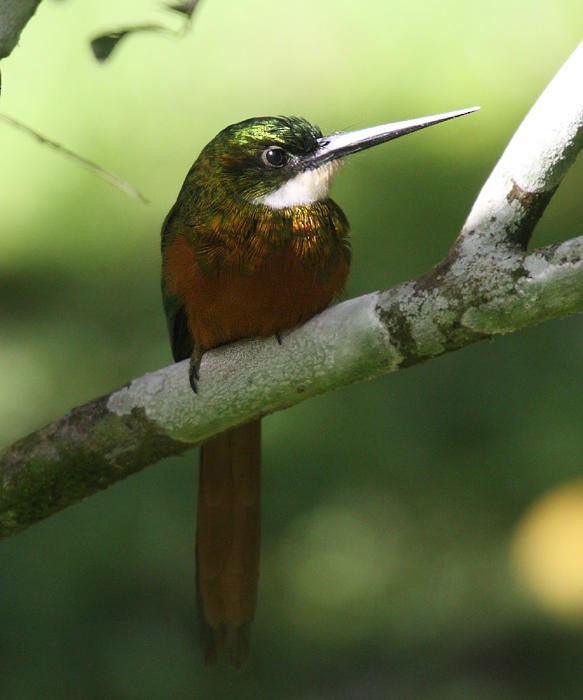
488, 284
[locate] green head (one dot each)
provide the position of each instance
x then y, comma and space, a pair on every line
256, 157
283, 162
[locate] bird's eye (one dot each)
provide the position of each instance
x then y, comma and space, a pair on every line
274, 157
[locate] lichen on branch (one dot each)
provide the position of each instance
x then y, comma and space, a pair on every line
487, 284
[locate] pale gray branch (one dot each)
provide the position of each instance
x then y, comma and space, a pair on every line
486, 285
532, 166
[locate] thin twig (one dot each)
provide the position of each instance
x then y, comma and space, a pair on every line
90, 165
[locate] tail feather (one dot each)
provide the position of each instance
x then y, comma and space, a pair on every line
228, 541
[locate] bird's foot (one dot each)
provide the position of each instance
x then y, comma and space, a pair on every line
194, 368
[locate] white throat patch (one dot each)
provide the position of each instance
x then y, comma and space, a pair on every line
305, 188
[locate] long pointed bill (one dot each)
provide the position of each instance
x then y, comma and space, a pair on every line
343, 144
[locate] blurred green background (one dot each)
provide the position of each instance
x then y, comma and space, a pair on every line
390, 508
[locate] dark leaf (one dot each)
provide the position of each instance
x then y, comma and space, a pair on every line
184, 8
103, 46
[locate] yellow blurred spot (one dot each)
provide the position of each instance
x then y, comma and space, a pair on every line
547, 551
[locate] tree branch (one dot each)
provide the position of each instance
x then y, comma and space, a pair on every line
486, 285
14, 14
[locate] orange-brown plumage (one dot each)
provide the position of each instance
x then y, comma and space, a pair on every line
252, 246
283, 286
228, 540
235, 268
280, 291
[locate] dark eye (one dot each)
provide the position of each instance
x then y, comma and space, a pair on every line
275, 157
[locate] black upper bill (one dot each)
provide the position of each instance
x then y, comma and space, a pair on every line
343, 144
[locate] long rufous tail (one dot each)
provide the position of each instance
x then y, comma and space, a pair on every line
228, 541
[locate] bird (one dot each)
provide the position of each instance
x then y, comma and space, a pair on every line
252, 247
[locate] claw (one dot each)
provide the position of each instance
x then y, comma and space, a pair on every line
278, 337
194, 367
193, 378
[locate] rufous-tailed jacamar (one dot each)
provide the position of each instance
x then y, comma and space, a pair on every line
253, 246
